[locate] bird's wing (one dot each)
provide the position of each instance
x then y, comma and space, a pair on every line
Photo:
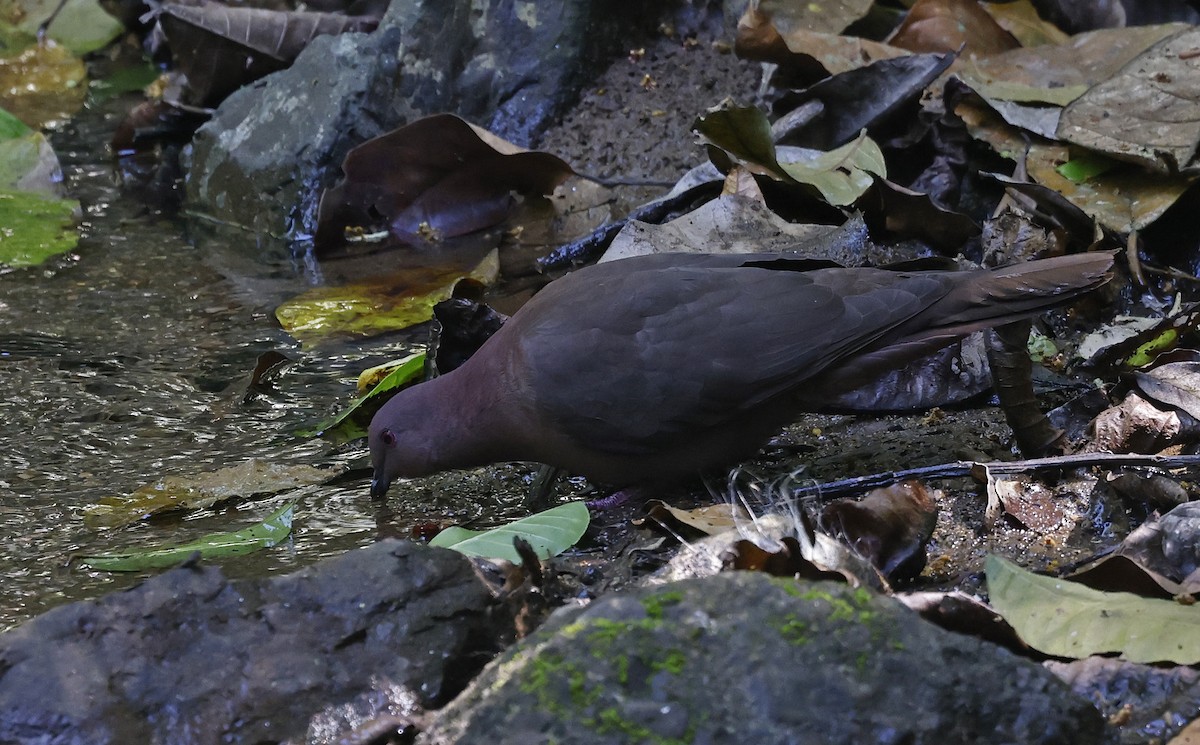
623, 360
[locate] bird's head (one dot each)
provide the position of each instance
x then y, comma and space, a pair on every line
396, 452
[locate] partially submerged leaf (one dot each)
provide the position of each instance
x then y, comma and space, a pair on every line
352, 422
387, 303
34, 227
40, 83
249, 478
549, 533
1066, 619
433, 179
392, 373
212, 546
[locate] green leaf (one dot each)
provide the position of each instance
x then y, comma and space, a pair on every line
841, 175
550, 533
123, 80
34, 227
12, 127
743, 132
1067, 619
1085, 167
214, 545
81, 26
352, 422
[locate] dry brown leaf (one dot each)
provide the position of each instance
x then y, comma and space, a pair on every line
1147, 113
948, 25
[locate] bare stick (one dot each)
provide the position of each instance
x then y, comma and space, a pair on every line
976, 469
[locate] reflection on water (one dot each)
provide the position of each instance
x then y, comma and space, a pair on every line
126, 361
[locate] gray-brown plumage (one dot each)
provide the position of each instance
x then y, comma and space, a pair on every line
653, 368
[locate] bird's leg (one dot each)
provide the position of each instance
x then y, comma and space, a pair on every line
1013, 380
541, 491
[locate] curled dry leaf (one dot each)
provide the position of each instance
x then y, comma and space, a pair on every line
1174, 384
963, 614
1028, 502
1161, 558
463, 325
874, 96
1123, 199
890, 527
806, 54
1021, 20
1138, 426
950, 25
436, 178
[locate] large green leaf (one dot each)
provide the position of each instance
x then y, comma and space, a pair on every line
1066, 619
550, 533
841, 175
35, 227
214, 545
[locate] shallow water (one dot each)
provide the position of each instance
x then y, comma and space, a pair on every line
128, 359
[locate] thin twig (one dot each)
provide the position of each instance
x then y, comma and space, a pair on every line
973, 468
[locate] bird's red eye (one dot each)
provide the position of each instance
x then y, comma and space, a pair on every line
388, 437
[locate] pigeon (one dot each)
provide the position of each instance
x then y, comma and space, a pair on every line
650, 369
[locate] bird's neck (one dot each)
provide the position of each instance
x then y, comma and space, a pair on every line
461, 420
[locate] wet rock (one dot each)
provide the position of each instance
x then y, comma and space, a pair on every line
1145, 703
189, 656
509, 65
741, 657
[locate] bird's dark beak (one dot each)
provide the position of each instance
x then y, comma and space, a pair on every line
379, 486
